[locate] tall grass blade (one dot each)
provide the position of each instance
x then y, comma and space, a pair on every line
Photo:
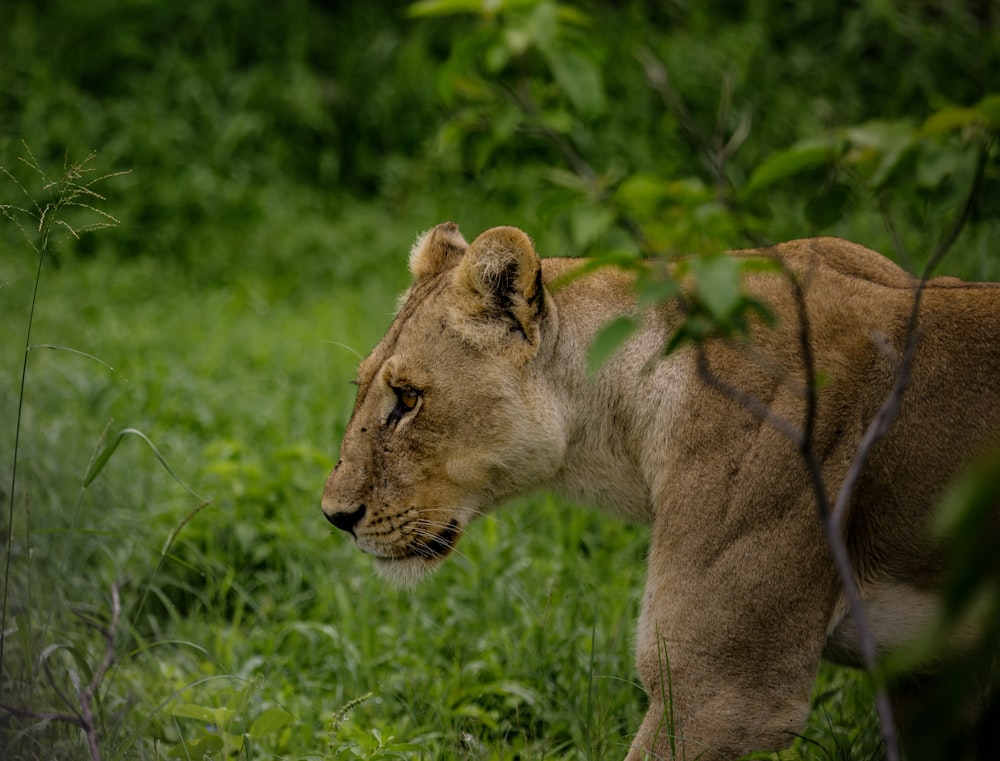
13, 467
102, 459
98, 360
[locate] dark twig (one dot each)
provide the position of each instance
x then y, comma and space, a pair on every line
755, 406
63, 697
523, 100
890, 406
831, 528
88, 694
896, 240
65, 718
659, 79
716, 148
879, 427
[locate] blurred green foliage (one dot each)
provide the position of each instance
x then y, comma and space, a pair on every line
250, 127
281, 158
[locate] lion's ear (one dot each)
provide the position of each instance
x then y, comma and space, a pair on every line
502, 274
436, 250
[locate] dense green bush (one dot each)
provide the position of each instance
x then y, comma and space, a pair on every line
270, 120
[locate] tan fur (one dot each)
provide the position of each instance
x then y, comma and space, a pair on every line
741, 594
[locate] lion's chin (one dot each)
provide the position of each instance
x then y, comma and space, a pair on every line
421, 559
406, 572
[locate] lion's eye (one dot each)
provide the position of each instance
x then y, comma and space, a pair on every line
406, 401
407, 397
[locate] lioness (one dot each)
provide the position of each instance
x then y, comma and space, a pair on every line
480, 391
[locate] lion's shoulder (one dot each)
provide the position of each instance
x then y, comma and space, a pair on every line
837, 257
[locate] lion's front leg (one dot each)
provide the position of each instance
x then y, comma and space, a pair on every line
729, 641
722, 727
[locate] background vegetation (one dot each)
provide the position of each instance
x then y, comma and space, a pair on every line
185, 374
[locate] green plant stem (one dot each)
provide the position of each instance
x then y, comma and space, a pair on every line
17, 441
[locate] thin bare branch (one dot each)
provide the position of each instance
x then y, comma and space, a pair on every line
715, 148
63, 697
85, 718
659, 79
890, 406
832, 531
88, 694
755, 406
42, 715
895, 239
523, 100
949, 238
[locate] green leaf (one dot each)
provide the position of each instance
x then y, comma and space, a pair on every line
937, 163
690, 191
620, 258
760, 264
496, 58
719, 285
969, 501
656, 289
608, 340
641, 193
783, 164
963, 520
558, 119
541, 26
477, 713
101, 460
430, 8
193, 711
579, 79
645, 193
206, 746
564, 178
949, 119
878, 136
79, 659
989, 108
588, 223
270, 721
573, 15
892, 159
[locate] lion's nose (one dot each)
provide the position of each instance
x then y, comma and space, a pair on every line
346, 521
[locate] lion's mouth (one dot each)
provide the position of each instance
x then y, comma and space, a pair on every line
406, 565
434, 547
440, 545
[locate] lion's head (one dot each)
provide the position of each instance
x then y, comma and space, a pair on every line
452, 413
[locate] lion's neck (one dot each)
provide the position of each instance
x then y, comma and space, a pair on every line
612, 414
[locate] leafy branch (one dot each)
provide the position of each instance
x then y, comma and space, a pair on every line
832, 516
